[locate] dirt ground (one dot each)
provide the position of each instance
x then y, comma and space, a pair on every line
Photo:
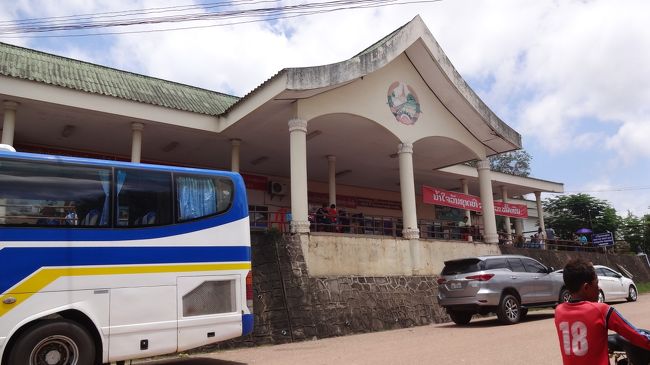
485, 341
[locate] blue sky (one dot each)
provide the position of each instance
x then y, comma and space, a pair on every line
571, 76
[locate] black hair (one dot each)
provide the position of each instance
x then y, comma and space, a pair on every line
577, 272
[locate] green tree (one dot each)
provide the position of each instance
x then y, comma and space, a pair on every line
568, 213
514, 163
636, 231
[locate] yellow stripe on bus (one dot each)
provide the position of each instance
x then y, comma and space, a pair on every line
46, 276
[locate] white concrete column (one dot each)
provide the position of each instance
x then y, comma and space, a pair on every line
504, 198
540, 210
136, 141
519, 227
331, 173
234, 154
407, 187
489, 221
298, 157
9, 124
465, 187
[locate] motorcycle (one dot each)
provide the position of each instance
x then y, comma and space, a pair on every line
625, 353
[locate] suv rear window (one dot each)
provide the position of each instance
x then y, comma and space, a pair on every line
462, 266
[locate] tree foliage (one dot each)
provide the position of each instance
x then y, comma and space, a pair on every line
514, 163
636, 231
568, 213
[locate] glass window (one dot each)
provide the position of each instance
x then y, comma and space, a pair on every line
516, 265
50, 194
600, 272
611, 273
258, 216
144, 198
211, 297
534, 266
202, 196
492, 264
462, 266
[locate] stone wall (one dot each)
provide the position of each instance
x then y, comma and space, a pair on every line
636, 265
290, 305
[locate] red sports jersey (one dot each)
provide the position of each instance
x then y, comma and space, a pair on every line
582, 330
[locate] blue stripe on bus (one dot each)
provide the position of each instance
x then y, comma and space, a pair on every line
16, 263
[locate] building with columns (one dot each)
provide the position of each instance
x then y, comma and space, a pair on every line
367, 134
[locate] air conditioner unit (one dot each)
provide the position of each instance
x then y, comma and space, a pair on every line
277, 188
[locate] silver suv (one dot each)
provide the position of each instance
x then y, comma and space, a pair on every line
505, 284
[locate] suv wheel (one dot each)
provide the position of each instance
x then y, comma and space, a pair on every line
509, 310
460, 317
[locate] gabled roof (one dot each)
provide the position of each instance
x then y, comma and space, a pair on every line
416, 41
27, 64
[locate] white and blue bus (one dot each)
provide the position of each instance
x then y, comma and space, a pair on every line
104, 261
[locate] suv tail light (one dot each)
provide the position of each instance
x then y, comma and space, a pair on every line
249, 291
483, 277
441, 281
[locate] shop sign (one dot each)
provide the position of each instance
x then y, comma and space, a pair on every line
346, 201
511, 210
255, 182
603, 239
342, 201
379, 203
450, 199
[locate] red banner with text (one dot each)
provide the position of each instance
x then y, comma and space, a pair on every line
511, 210
450, 199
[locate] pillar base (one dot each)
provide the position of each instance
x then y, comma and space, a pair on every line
411, 234
491, 238
299, 226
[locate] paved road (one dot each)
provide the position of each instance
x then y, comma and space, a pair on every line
532, 342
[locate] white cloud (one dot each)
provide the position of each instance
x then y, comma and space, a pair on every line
631, 142
622, 200
570, 75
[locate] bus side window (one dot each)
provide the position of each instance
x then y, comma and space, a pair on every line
202, 196
144, 198
53, 195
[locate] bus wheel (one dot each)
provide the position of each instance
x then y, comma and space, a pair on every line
53, 342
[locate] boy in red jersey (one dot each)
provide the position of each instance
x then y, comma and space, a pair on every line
582, 323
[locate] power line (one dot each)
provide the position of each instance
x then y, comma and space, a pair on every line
90, 21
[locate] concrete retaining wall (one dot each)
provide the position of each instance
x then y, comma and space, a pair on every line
336, 254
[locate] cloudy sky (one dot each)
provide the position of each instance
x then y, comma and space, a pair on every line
571, 76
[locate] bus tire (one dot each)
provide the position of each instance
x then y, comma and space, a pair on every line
55, 342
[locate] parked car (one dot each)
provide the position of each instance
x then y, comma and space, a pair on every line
506, 284
613, 285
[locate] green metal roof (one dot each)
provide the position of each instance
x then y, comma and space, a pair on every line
28, 64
